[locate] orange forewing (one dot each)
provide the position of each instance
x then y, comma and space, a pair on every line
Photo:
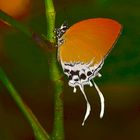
89, 40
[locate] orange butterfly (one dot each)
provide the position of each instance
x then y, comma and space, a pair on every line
82, 50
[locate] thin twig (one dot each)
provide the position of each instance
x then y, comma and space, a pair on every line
39, 132
38, 39
50, 17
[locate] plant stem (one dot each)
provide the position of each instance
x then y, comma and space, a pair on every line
38, 130
50, 17
58, 129
43, 44
56, 77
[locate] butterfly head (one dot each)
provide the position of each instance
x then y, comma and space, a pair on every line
59, 33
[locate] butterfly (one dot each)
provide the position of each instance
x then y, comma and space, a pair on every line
82, 49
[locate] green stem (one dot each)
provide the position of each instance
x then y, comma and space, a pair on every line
56, 77
38, 130
50, 16
43, 44
58, 130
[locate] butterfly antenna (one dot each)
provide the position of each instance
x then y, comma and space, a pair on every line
65, 25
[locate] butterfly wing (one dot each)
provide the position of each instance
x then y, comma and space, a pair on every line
89, 40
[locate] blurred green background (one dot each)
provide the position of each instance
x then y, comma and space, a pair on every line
26, 66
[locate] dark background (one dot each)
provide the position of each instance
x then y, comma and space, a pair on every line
26, 66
